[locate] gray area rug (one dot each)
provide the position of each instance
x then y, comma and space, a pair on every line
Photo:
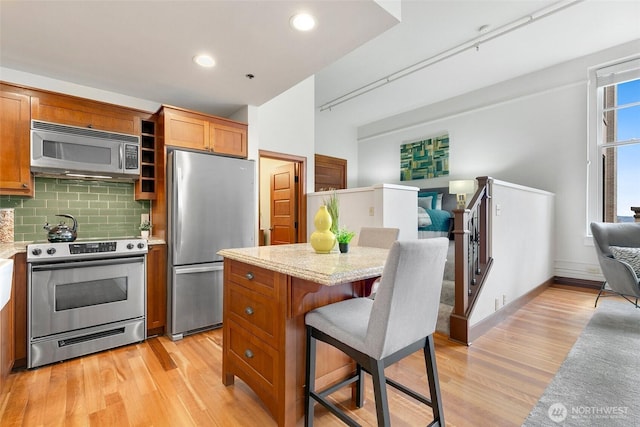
598, 384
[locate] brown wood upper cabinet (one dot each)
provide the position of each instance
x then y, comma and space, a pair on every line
73, 111
197, 131
15, 173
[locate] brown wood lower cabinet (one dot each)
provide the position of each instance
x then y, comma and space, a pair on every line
6, 341
156, 289
264, 335
19, 293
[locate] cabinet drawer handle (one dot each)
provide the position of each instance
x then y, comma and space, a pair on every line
248, 354
248, 310
249, 276
24, 185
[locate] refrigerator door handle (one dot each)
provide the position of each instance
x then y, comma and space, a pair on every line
177, 176
198, 269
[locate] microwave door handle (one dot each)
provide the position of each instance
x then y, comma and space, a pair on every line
120, 156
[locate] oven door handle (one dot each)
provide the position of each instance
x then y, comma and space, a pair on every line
82, 264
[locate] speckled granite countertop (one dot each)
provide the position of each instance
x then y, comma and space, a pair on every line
7, 250
300, 260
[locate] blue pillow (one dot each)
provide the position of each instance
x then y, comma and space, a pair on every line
439, 220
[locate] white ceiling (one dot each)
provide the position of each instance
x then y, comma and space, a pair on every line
144, 48
429, 28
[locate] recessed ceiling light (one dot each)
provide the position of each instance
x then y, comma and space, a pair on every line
204, 60
302, 22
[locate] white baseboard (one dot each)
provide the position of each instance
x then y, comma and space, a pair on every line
578, 270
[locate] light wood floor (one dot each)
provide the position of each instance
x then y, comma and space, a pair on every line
494, 382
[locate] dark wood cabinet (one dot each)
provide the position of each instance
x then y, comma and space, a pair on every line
156, 289
15, 157
330, 173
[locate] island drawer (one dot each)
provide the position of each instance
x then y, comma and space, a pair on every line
255, 362
252, 277
255, 312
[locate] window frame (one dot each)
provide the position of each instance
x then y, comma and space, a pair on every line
599, 77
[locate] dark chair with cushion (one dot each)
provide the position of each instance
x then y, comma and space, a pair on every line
618, 249
377, 333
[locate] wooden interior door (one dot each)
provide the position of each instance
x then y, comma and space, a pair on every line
284, 218
330, 173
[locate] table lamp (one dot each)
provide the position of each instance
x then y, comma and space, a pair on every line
461, 188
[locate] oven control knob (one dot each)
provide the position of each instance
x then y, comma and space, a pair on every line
130, 246
140, 245
51, 251
36, 251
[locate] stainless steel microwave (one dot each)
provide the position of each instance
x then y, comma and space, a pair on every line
75, 152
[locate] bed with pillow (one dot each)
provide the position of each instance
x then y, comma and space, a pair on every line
435, 217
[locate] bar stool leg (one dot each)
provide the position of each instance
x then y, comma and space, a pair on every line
434, 383
359, 387
380, 392
310, 380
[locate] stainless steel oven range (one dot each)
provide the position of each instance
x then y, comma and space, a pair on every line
84, 297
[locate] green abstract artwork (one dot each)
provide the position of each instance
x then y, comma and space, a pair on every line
427, 158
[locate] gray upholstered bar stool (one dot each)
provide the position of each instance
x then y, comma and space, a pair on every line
377, 237
377, 333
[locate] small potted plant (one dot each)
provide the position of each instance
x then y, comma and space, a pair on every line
344, 236
145, 227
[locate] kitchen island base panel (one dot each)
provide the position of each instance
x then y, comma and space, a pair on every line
276, 373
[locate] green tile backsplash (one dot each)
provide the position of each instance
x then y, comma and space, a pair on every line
102, 209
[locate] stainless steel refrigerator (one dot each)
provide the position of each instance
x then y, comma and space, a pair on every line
211, 206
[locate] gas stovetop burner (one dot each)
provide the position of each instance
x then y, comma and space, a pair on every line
86, 249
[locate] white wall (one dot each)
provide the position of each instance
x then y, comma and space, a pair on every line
530, 131
286, 125
330, 140
380, 205
523, 224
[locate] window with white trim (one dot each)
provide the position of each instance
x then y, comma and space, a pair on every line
617, 143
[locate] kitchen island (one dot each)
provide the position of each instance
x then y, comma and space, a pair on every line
267, 292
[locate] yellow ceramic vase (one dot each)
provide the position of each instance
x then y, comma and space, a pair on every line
322, 240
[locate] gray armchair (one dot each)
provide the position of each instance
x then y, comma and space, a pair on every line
620, 277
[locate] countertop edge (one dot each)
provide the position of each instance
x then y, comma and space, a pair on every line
322, 279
